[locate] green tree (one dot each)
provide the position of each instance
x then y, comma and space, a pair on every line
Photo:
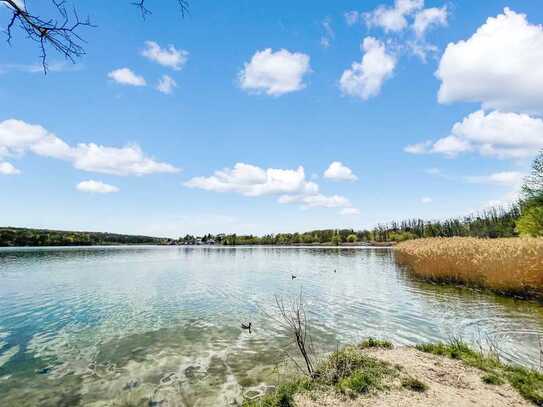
336, 240
352, 238
533, 185
531, 221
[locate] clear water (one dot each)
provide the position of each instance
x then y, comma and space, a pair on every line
161, 325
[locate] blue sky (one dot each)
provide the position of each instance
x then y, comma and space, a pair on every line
432, 120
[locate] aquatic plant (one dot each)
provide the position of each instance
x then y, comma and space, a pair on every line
512, 266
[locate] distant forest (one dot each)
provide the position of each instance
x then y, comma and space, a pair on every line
43, 237
491, 223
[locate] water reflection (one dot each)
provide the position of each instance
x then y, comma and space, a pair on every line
84, 325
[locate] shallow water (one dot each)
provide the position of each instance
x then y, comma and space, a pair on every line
103, 326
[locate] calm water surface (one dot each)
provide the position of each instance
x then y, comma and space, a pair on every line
160, 325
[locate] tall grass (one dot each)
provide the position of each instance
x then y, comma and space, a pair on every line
512, 265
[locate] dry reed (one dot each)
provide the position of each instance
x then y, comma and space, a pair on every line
511, 265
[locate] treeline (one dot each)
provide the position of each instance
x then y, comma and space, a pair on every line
43, 237
492, 223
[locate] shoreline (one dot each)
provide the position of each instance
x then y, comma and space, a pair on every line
376, 373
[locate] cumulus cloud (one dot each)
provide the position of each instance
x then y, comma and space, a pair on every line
393, 18
8, 169
250, 180
339, 172
365, 79
275, 73
426, 200
428, 18
18, 137
96, 187
291, 186
166, 84
497, 134
505, 178
126, 76
500, 66
170, 56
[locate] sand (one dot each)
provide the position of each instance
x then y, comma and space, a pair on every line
450, 383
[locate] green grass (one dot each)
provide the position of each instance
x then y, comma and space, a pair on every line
375, 343
529, 383
492, 378
346, 371
410, 383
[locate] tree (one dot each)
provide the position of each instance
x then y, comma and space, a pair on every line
61, 33
532, 189
531, 222
352, 238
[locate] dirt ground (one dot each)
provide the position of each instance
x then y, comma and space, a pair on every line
450, 383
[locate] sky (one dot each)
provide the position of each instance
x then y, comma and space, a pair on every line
266, 117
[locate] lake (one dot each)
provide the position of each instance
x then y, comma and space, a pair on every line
151, 325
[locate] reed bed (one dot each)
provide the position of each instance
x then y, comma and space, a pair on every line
510, 266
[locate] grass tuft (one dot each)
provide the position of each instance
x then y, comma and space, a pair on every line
413, 384
492, 378
375, 343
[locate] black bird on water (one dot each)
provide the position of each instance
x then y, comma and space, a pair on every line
293, 276
247, 326
334, 270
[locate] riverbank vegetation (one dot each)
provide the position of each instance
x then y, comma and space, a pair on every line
409, 376
510, 266
43, 237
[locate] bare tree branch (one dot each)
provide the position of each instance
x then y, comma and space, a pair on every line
62, 34
294, 319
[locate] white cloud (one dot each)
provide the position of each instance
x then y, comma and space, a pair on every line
166, 84
339, 172
366, 78
275, 73
126, 76
18, 137
349, 211
328, 36
426, 200
501, 66
249, 180
97, 187
418, 148
170, 56
505, 178
8, 169
352, 17
429, 17
393, 18
497, 134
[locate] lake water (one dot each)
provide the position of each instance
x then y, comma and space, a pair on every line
106, 326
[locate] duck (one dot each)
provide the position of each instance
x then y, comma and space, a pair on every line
246, 326
293, 276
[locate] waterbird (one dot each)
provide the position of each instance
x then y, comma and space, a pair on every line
293, 276
334, 270
246, 326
